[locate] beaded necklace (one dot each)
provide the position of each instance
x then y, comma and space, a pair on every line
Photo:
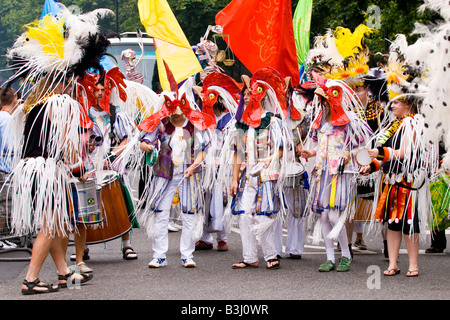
392, 129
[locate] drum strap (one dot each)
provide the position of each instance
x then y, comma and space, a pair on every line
112, 122
296, 203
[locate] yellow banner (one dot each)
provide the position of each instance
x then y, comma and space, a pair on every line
171, 43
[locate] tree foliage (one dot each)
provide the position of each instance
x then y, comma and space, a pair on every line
194, 16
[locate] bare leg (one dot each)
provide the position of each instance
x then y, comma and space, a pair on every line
394, 239
349, 228
80, 243
412, 245
41, 248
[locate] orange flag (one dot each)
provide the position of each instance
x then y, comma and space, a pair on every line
261, 34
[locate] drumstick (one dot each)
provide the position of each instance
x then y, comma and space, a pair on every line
301, 142
90, 172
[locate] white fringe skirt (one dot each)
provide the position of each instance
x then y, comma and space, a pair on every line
41, 197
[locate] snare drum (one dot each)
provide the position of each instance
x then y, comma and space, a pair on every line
294, 175
114, 209
86, 202
363, 158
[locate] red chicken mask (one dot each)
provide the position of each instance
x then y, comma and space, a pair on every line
258, 87
333, 95
199, 119
113, 78
209, 95
84, 88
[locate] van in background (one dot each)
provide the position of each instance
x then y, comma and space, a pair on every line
147, 66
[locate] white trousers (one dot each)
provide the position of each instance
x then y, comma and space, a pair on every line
161, 238
295, 240
216, 210
248, 220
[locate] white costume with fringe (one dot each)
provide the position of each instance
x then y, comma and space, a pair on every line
258, 200
40, 181
167, 177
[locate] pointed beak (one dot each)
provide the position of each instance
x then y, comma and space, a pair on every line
319, 91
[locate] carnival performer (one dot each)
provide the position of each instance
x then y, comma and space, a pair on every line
296, 188
343, 55
297, 180
338, 132
262, 144
178, 133
220, 95
46, 144
117, 129
371, 91
8, 104
400, 154
431, 53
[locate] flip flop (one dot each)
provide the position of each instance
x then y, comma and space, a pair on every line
411, 273
389, 274
246, 265
273, 266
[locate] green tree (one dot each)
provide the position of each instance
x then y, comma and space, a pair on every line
194, 16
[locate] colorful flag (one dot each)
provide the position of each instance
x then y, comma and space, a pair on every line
50, 7
302, 26
260, 33
170, 41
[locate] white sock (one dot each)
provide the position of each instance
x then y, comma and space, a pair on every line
126, 243
330, 254
345, 252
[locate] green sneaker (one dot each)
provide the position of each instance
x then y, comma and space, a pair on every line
344, 264
327, 266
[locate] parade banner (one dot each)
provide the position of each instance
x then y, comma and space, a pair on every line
302, 26
261, 35
171, 43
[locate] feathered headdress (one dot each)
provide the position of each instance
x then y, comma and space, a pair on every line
403, 78
431, 53
341, 55
65, 45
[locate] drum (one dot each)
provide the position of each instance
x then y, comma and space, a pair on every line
440, 200
363, 158
257, 168
114, 210
294, 175
86, 202
151, 157
363, 212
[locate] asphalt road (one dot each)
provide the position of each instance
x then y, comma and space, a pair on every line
215, 282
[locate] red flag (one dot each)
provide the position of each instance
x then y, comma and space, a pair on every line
261, 34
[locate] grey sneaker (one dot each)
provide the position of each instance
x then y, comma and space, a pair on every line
359, 243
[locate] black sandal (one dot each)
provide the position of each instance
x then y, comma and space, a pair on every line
86, 277
129, 254
246, 265
273, 266
31, 287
